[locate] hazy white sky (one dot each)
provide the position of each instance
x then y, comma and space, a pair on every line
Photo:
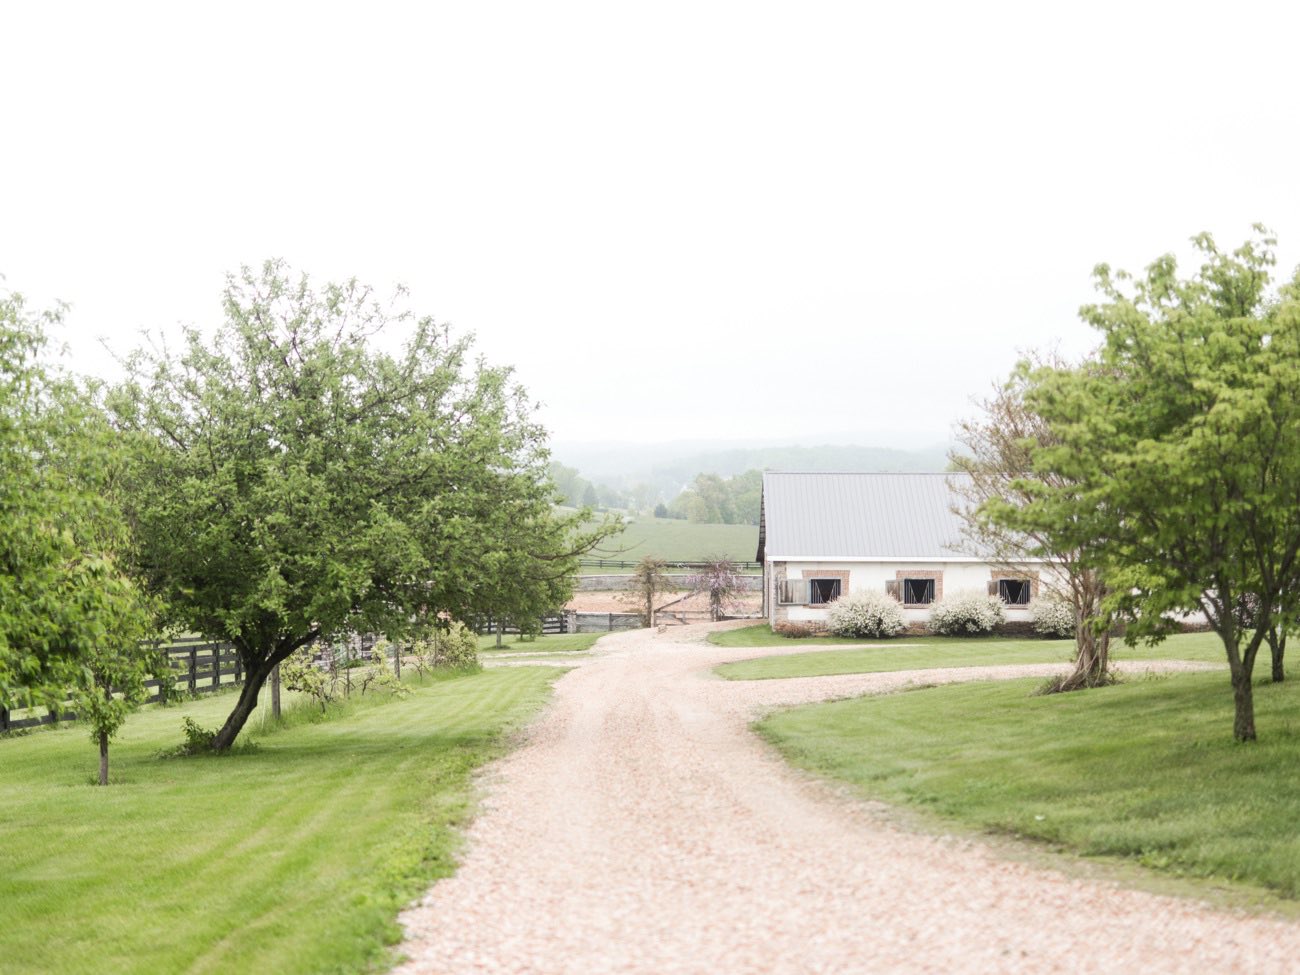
714, 220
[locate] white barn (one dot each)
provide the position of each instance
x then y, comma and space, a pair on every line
822, 535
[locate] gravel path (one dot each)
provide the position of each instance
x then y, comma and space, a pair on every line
643, 828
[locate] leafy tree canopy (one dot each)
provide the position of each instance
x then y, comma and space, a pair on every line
296, 479
1179, 450
64, 599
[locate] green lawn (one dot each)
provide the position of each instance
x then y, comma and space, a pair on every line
908, 653
1145, 770
553, 643
294, 856
677, 541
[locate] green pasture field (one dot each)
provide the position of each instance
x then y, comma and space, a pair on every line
676, 541
1146, 771
292, 855
919, 653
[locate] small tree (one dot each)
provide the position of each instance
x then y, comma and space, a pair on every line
649, 579
723, 582
114, 670
1010, 515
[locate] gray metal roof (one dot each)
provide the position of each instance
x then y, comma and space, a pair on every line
859, 516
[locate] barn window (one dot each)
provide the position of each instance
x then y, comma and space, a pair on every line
1014, 592
918, 591
823, 591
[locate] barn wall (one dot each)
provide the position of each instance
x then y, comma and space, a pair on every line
953, 577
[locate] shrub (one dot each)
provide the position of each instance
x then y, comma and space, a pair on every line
381, 675
300, 673
453, 646
866, 613
793, 631
1052, 617
967, 613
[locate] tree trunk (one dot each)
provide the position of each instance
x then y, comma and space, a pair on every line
1091, 660
1243, 722
397, 660
275, 692
260, 663
244, 707
103, 758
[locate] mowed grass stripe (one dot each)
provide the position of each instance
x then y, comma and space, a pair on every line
293, 857
1146, 771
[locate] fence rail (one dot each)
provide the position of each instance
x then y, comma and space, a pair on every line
198, 666
549, 624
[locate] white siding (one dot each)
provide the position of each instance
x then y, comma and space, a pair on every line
957, 576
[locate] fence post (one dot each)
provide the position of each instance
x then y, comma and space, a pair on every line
275, 692
216, 666
611, 622
194, 670
239, 669
4, 719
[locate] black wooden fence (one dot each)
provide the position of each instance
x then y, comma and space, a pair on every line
198, 666
550, 625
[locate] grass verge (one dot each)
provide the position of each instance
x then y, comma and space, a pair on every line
1146, 771
291, 856
910, 653
550, 643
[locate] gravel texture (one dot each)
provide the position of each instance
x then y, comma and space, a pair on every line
641, 827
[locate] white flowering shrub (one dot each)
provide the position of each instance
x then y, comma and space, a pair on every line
969, 613
866, 613
1052, 617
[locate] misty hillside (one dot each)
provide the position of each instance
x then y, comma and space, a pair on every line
668, 467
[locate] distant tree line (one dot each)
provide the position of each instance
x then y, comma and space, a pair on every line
716, 500
708, 499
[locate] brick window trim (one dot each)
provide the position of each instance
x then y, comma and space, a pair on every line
999, 574
935, 574
840, 574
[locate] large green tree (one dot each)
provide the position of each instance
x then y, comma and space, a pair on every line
65, 602
1180, 449
300, 477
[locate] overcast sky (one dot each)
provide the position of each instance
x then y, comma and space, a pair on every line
789, 221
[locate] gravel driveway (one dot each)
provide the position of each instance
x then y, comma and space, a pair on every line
643, 828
